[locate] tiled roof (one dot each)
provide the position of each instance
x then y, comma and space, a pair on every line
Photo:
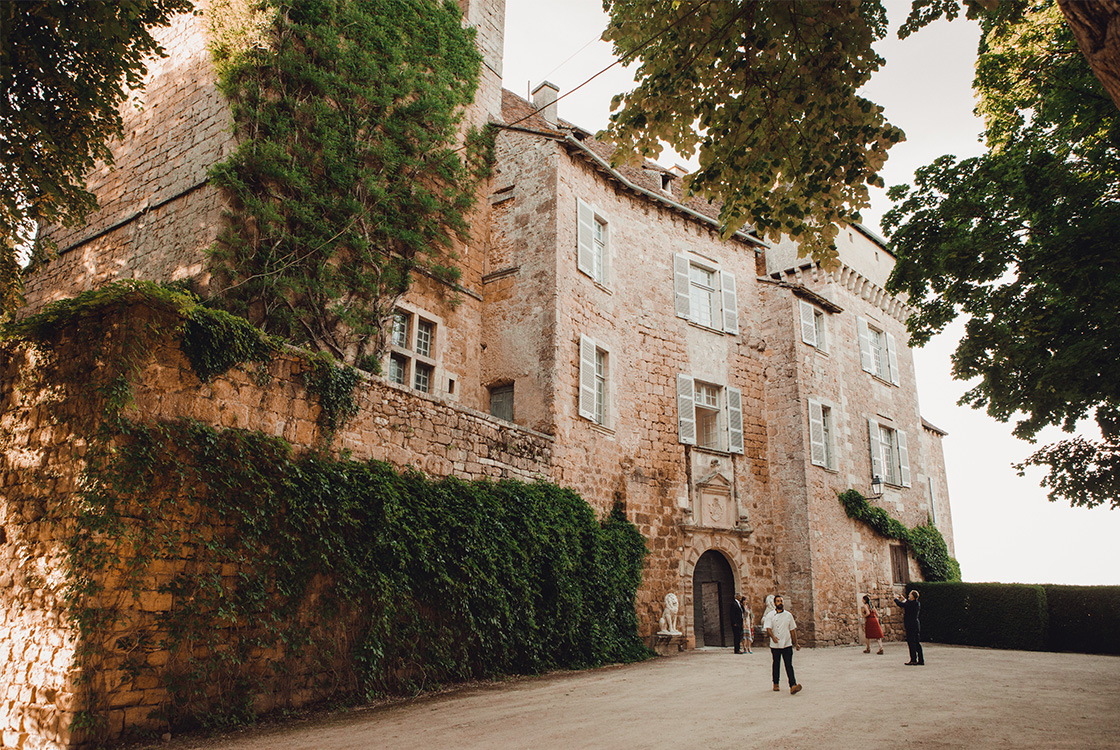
517, 112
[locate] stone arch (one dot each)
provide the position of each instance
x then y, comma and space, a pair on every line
714, 583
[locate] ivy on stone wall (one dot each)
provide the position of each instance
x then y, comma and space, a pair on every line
270, 573
347, 179
925, 541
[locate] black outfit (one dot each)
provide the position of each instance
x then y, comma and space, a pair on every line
780, 655
910, 610
737, 624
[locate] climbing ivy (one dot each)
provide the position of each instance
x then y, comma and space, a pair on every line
282, 572
348, 177
334, 385
926, 541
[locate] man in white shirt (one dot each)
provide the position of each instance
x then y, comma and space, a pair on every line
782, 630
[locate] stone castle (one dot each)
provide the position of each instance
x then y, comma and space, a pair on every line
723, 391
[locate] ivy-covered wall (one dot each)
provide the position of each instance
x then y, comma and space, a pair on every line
174, 560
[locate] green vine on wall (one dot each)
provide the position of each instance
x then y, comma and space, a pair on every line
348, 177
925, 541
334, 385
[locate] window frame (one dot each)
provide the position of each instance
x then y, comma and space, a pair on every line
729, 418
900, 565
896, 452
882, 360
814, 326
723, 293
414, 343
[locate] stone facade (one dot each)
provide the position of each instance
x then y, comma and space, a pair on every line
602, 336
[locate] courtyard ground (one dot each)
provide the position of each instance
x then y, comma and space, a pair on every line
710, 698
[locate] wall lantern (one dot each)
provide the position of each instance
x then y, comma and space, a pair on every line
876, 487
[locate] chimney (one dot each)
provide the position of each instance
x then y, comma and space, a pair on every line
544, 101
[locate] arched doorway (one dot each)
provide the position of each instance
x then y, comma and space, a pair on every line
713, 586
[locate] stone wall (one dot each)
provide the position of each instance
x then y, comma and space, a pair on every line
42, 446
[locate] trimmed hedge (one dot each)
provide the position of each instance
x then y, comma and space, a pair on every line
1027, 617
1085, 619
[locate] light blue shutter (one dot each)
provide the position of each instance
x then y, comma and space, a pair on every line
735, 419
903, 458
818, 456
585, 237
686, 410
730, 303
876, 450
586, 377
682, 287
892, 360
865, 346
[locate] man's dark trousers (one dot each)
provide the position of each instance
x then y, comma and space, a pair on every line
779, 655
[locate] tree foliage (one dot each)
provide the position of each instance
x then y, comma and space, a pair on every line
765, 93
1022, 241
65, 68
347, 179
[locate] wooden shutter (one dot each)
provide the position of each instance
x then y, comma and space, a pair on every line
818, 455
903, 458
730, 303
865, 346
686, 410
808, 323
876, 450
585, 238
900, 564
586, 377
735, 420
892, 360
682, 287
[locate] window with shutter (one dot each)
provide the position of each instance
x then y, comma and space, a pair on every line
878, 353
705, 295
900, 564
892, 360
903, 459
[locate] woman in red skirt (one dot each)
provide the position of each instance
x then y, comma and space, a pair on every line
872, 631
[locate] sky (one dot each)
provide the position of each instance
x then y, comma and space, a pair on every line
1004, 528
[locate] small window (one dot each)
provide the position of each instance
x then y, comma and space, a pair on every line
821, 429
900, 564
423, 378
398, 369
708, 434
501, 402
425, 333
702, 297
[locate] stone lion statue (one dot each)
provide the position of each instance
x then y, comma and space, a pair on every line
669, 615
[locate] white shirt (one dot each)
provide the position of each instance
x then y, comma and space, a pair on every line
780, 624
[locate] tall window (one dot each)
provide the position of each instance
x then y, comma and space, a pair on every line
821, 430
594, 381
702, 296
708, 434
888, 446
705, 295
592, 241
709, 415
412, 352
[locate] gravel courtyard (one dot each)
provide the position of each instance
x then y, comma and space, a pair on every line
711, 698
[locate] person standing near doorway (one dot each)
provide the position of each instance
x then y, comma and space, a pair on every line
737, 621
910, 611
782, 630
